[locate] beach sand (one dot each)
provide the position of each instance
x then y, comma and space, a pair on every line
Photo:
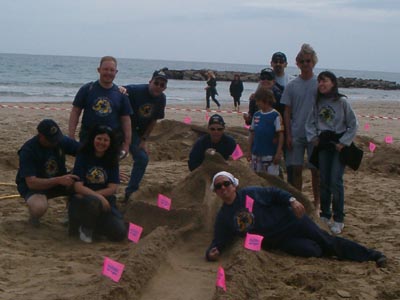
168, 262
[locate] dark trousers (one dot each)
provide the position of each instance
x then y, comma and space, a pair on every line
88, 212
212, 95
236, 100
308, 240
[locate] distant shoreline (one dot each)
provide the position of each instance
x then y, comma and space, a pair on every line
343, 82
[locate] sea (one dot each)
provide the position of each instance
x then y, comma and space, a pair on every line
50, 78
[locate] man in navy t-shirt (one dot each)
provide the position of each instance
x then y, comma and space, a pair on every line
42, 173
215, 139
102, 104
148, 103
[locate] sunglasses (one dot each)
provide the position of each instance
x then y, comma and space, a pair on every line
304, 61
216, 129
219, 185
161, 84
266, 77
278, 61
105, 129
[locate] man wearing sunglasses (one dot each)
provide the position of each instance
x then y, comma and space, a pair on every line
280, 219
148, 103
299, 97
216, 139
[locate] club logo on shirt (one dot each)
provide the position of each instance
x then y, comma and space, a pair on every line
146, 110
102, 107
244, 221
96, 175
327, 114
51, 167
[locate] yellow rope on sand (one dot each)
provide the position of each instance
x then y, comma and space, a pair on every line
9, 196
8, 184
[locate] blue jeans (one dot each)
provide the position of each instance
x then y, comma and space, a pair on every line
331, 184
140, 161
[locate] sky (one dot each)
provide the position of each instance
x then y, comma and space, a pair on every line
346, 34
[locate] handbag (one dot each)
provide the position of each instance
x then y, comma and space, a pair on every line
351, 156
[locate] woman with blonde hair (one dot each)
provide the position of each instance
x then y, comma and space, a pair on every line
211, 90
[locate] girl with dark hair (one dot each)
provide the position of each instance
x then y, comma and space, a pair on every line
331, 126
92, 209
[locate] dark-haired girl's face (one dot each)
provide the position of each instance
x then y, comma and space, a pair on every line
325, 85
101, 144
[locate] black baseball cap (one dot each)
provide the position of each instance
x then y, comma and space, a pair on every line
280, 56
50, 131
267, 74
216, 119
159, 74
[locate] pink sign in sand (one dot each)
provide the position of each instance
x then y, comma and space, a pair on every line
366, 127
221, 278
112, 269
249, 203
253, 242
135, 231
207, 117
164, 202
388, 139
372, 147
237, 153
187, 120
246, 126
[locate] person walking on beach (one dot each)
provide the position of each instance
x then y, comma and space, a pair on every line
92, 208
102, 104
148, 103
299, 98
331, 126
215, 140
236, 90
42, 173
280, 219
266, 134
211, 90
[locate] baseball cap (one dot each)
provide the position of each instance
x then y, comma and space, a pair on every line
216, 119
267, 74
279, 55
50, 130
160, 74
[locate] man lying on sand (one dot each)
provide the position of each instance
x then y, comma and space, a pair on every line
280, 219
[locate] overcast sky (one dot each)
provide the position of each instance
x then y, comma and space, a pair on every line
347, 34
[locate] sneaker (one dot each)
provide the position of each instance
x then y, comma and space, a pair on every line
325, 221
34, 221
85, 234
381, 261
337, 227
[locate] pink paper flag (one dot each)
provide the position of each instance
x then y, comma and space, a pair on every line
221, 278
246, 126
187, 120
237, 153
388, 139
164, 202
207, 117
134, 233
249, 203
366, 127
372, 147
253, 242
112, 269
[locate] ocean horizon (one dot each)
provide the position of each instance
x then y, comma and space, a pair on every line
54, 78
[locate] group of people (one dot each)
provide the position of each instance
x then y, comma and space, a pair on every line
115, 121
286, 118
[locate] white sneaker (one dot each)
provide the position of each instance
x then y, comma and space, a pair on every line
337, 227
326, 221
85, 234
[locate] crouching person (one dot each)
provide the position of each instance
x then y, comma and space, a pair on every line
92, 209
280, 219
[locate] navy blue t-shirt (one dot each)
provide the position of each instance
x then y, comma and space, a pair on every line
146, 108
94, 172
225, 147
36, 160
102, 106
